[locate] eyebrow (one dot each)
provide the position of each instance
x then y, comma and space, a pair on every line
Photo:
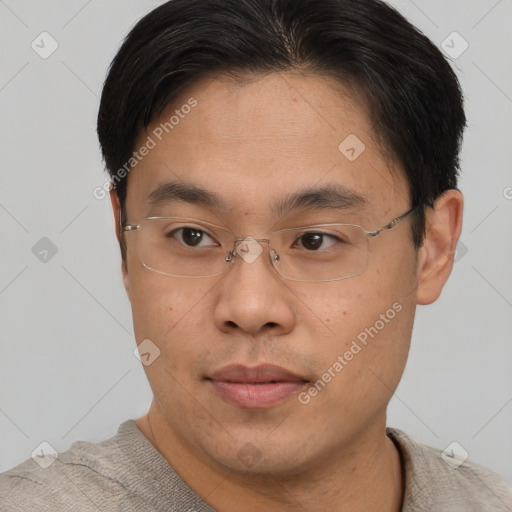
336, 197
333, 196
172, 191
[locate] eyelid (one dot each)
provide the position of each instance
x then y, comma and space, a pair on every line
200, 228
326, 229
190, 222
208, 230
174, 233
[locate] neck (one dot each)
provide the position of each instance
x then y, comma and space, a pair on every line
365, 477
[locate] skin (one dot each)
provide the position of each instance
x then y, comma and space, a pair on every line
252, 143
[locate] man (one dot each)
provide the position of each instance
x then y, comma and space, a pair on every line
284, 196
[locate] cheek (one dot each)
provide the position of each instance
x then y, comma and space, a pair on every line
361, 369
164, 307
368, 321
174, 315
340, 310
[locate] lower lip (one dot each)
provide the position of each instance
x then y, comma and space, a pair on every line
257, 396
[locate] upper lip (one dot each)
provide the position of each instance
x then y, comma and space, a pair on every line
263, 373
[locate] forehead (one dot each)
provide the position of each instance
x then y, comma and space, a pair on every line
253, 141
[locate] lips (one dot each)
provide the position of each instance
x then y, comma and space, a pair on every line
259, 387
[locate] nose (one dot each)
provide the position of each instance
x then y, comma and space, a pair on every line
251, 296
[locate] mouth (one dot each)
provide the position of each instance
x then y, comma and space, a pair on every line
258, 387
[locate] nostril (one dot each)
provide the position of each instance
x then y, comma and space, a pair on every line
271, 324
231, 323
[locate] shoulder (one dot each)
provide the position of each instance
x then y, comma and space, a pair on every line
79, 478
438, 481
125, 472
28, 487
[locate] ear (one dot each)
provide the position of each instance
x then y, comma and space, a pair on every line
435, 261
116, 208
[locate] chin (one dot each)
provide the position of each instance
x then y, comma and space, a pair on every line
255, 463
256, 455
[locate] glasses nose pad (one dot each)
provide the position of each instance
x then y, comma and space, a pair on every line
274, 256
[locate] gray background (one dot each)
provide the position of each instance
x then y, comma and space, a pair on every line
67, 369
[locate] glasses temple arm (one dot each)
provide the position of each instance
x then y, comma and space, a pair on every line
394, 222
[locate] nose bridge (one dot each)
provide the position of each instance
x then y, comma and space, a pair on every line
253, 296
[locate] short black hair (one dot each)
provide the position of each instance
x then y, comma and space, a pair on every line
411, 93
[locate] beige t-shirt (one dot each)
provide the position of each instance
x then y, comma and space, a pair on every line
126, 473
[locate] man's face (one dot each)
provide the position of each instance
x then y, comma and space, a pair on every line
253, 145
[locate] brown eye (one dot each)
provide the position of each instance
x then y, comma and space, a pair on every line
192, 237
316, 240
312, 241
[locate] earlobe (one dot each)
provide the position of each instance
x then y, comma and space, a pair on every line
435, 260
